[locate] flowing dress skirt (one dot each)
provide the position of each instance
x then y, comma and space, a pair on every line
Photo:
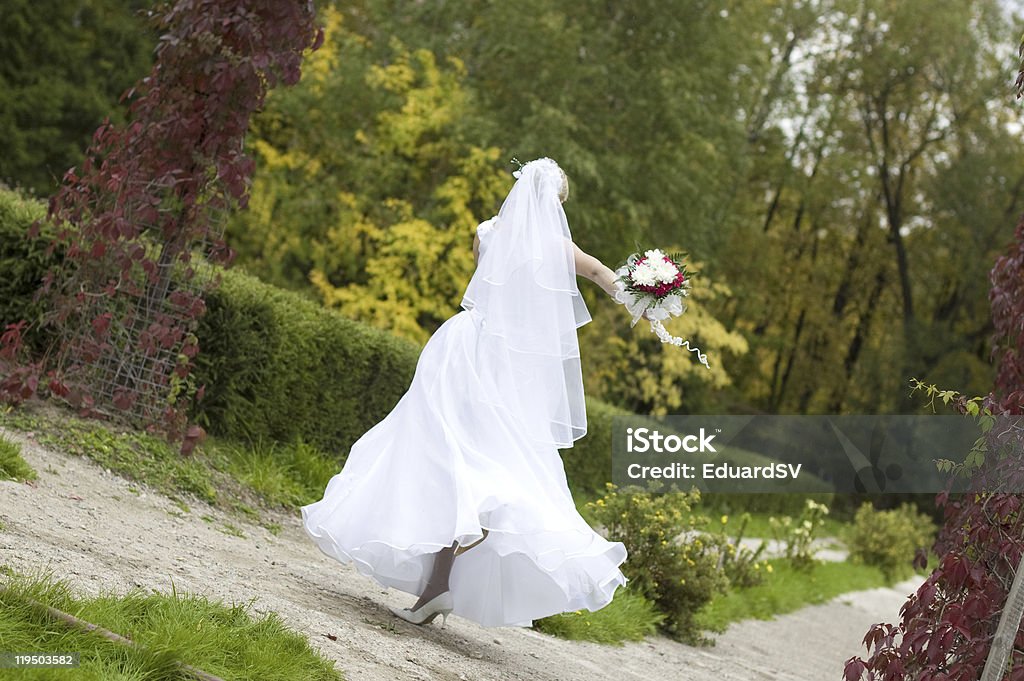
446, 463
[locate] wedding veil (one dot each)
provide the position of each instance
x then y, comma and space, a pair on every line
525, 289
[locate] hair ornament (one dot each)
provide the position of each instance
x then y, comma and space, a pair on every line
517, 173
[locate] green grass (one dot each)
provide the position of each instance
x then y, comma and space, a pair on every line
223, 640
240, 478
231, 530
760, 528
629, 617
12, 465
131, 454
785, 590
243, 478
286, 475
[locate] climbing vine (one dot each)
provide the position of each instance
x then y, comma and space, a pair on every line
138, 218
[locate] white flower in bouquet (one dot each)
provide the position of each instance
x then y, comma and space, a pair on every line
645, 275
664, 271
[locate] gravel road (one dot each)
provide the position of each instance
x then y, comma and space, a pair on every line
91, 529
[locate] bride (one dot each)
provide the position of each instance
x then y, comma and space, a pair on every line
459, 495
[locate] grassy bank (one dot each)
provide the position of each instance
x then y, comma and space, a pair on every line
250, 479
786, 589
629, 617
168, 629
245, 480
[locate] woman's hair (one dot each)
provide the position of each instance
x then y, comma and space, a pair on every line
563, 191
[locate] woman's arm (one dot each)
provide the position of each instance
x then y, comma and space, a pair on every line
591, 268
476, 247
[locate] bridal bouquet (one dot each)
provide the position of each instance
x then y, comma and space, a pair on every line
656, 283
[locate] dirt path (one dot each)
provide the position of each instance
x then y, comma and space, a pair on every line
90, 528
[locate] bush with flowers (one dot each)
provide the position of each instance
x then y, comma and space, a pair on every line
741, 564
798, 535
672, 562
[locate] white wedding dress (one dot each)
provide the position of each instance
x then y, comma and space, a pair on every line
451, 459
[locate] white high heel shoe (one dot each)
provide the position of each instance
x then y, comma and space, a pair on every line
440, 604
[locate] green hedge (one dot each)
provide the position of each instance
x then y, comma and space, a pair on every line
23, 261
281, 367
278, 366
588, 464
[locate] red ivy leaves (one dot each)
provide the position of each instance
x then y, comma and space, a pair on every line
193, 436
149, 190
855, 668
101, 325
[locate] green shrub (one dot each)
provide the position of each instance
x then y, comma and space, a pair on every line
679, 576
888, 539
278, 366
23, 260
12, 466
742, 565
798, 535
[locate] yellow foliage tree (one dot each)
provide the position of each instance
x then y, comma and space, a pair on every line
371, 208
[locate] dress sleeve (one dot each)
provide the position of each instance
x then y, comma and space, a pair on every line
484, 227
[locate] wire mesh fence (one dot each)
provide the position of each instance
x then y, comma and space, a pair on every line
125, 350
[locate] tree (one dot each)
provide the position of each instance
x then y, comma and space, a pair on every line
642, 105
371, 207
65, 63
886, 188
